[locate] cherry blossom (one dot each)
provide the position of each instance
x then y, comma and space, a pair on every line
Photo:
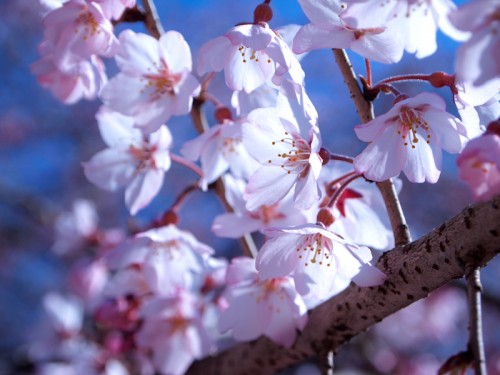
74, 228
242, 221
479, 166
477, 59
258, 307
286, 141
249, 54
132, 160
173, 331
468, 98
415, 23
83, 79
155, 81
329, 30
168, 257
220, 148
321, 262
77, 30
409, 138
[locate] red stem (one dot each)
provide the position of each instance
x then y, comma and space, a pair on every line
335, 196
186, 163
368, 66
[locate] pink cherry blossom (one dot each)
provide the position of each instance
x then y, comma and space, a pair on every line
130, 160
258, 307
409, 138
321, 262
78, 30
329, 30
415, 23
479, 166
221, 148
174, 333
242, 221
83, 79
168, 257
74, 228
249, 54
286, 141
470, 98
155, 81
478, 59
64, 312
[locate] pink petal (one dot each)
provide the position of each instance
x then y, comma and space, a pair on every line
143, 189
212, 55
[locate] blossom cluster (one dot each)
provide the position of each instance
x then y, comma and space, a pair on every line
159, 299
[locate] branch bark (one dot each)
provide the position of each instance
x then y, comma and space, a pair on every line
470, 239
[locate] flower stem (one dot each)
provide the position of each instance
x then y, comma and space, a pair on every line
338, 157
368, 66
338, 193
186, 163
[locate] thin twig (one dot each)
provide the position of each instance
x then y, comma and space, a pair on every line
368, 66
201, 125
476, 344
365, 111
153, 23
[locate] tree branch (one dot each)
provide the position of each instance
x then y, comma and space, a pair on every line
152, 21
365, 111
413, 271
476, 344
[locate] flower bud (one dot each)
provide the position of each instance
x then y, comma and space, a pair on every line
223, 113
440, 79
493, 128
325, 217
262, 13
324, 154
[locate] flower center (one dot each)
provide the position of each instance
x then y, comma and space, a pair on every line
411, 122
296, 159
177, 323
163, 81
90, 25
267, 213
315, 250
144, 157
254, 56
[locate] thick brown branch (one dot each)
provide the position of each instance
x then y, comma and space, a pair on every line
471, 238
365, 111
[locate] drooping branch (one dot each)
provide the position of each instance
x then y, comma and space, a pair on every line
470, 239
365, 111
